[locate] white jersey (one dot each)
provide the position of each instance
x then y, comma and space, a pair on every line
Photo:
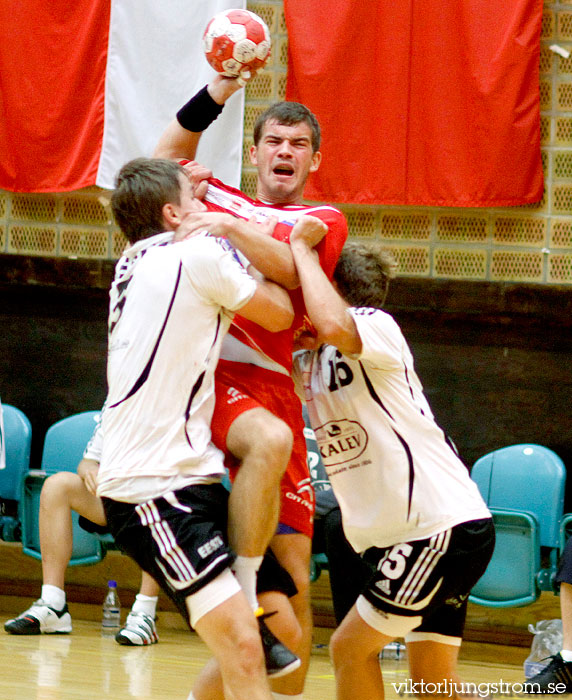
396, 476
94, 447
169, 310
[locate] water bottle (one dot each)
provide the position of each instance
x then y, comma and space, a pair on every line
111, 615
546, 642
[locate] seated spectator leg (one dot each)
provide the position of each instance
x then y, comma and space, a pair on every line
62, 493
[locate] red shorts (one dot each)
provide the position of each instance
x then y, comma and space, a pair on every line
240, 387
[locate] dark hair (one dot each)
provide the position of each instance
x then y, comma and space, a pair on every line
288, 114
142, 187
363, 272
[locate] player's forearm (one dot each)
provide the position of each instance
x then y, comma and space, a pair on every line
221, 88
177, 143
326, 309
87, 466
270, 307
273, 258
181, 137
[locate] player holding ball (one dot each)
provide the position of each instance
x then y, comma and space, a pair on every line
253, 380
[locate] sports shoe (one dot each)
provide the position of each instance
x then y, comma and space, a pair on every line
40, 618
279, 659
139, 630
557, 672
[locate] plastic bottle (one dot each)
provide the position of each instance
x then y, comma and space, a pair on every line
111, 613
546, 642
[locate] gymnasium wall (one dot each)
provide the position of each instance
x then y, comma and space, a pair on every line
484, 295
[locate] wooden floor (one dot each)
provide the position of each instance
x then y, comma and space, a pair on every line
85, 666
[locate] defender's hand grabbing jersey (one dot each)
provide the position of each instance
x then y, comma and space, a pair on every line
275, 349
167, 320
255, 366
395, 474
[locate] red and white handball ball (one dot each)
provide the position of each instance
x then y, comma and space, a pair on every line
236, 42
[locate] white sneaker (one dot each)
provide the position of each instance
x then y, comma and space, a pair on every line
40, 618
139, 630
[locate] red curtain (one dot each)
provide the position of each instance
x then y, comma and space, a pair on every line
421, 102
52, 72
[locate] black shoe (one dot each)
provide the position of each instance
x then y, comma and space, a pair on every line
558, 673
279, 659
40, 618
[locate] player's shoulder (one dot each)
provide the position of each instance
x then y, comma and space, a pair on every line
218, 188
331, 216
375, 317
321, 211
203, 246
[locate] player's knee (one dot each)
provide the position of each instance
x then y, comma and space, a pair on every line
291, 633
278, 438
286, 627
343, 649
273, 441
58, 487
248, 659
301, 578
337, 645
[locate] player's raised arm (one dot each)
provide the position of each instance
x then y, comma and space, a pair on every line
326, 308
237, 45
181, 137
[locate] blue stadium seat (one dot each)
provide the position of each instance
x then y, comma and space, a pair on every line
523, 485
63, 449
18, 442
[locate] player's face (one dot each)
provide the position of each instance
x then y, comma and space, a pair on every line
284, 159
188, 202
175, 213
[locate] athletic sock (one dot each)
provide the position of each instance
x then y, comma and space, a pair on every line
53, 596
145, 604
245, 570
566, 654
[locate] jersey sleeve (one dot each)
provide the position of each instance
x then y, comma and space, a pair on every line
216, 271
381, 337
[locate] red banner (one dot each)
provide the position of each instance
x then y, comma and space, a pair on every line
421, 102
86, 85
51, 101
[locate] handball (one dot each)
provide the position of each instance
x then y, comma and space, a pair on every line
236, 43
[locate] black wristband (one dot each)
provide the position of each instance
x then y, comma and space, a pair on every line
199, 112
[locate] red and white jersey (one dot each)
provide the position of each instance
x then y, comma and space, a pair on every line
395, 474
252, 343
170, 306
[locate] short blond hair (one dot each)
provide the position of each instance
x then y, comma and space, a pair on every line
363, 272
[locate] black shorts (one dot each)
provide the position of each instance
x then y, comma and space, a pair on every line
272, 576
431, 578
93, 528
179, 539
